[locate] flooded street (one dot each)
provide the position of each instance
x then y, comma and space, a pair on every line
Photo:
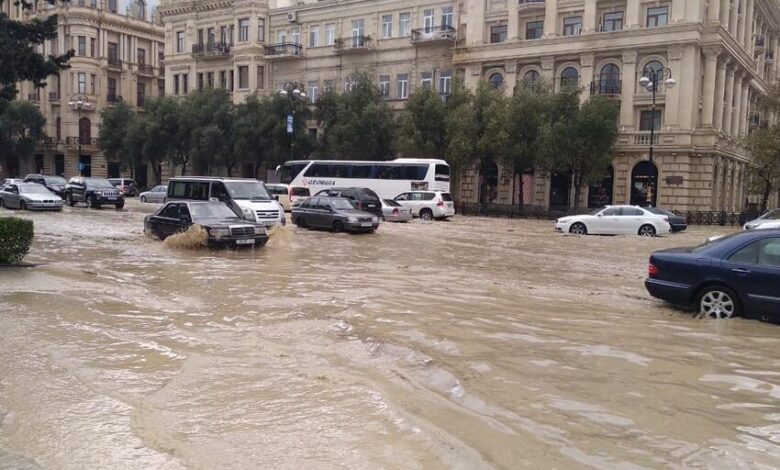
474, 343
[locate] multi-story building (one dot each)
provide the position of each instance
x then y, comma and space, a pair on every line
720, 53
118, 58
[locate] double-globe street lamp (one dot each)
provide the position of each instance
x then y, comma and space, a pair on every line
649, 81
79, 103
294, 95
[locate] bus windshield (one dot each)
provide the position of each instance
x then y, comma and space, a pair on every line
253, 190
290, 170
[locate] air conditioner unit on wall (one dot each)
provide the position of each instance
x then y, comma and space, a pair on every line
292, 17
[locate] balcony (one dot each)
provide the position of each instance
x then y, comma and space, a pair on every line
643, 138
769, 57
112, 98
284, 50
211, 50
145, 69
606, 87
34, 97
760, 42
54, 96
436, 34
114, 63
82, 141
352, 44
530, 4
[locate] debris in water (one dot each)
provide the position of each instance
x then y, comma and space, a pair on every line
195, 237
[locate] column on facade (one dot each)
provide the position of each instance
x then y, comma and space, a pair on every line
475, 33
713, 11
720, 89
673, 116
678, 11
716, 188
734, 18
632, 14
725, 11
589, 16
748, 38
513, 23
627, 90
737, 110
586, 75
548, 64
740, 33
550, 17
511, 78
708, 90
743, 122
728, 110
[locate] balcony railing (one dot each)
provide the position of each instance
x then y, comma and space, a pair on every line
111, 98
54, 96
530, 3
145, 69
114, 62
606, 87
434, 34
352, 43
34, 97
284, 49
644, 139
760, 41
769, 57
82, 141
211, 49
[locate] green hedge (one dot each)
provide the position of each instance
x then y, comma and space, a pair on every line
15, 238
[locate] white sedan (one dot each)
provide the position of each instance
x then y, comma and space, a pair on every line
615, 220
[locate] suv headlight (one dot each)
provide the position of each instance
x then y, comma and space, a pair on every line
375, 219
352, 219
260, 230
249, 214
219, 232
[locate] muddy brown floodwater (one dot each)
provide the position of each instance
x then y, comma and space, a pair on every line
474, 343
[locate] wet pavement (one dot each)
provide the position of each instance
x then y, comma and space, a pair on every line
474, 343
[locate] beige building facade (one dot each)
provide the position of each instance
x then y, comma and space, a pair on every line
720, 53
118, 58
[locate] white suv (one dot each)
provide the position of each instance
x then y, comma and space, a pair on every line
428, 205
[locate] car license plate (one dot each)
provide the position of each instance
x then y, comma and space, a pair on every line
366, 224
245, 241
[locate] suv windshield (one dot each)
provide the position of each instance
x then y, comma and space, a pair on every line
33, 189
280, 190
342, 204
212, 210
58, 180
253, 190
98, 184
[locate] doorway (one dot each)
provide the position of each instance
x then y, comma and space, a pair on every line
644, 184
488, 182
560, 188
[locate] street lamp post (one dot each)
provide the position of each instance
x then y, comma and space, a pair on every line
79, 103
649, 81
293, 96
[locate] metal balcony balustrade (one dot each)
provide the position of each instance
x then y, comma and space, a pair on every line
434, 33
284, 49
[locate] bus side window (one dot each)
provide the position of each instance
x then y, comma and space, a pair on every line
178, 188
218, 191
199, 191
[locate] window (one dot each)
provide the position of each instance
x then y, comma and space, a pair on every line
175, 84
658, 68
426, 80
314, 91
609, 80
281, 36
185, 83
384, 86
497, 34
764, 252
82, 83
223, 79
141, 56
572, 25
179, 41
92, 47
570, 78
327, 86
231, 30
531, 78
657, 16
404, 24
111, 87
314, 36
223, 34
649, 120
330, 34
260, 77
210, 80
261, 29
210, 34
496, 80
200, 80
358, 29
243, 77
200, 36
141, 94
612, 21
534, 29
428, 20
112, 5
231, 80
243, 30
92, 83
445, 82
446, 17
403, 86
387, 26
82, 45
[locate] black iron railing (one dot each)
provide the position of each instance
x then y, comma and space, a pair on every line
288, 49
352, 43
113, 98
605, 87
114, 62
146, 69
214, 48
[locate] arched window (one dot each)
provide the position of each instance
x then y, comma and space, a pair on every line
85, 131
496, 80
531, 77
140, 6
644, 183
609, 80
570, 78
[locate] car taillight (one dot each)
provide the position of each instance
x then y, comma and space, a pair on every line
395, 211
652, 270
358, 205
440, 203
666, 218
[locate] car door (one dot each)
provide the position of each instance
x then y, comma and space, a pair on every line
11, 196
631, 218
754, 270
403, 199
606, 222
167, 222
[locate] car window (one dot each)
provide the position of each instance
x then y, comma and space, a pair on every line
402, 197
307, 203
416, 197
218, 191
325, 204
612, 211
746, 254
446, 197
427, 196
341, 204
631, 211
184, 212
391, 203
769, 252
170, 211
298, 191
160, 189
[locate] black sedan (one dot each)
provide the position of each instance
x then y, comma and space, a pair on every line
735, 275
223, 226
333, 213
678, 222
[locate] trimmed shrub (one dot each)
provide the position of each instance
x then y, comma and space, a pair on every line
15, 238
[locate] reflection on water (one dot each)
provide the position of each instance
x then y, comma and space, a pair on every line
473, 343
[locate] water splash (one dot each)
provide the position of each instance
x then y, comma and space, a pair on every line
280, 236
195, 237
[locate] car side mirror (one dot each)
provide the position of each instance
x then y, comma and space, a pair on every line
599, 215
276, 197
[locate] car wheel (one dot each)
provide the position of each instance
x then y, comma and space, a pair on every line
300, 222
426, 214
718, 302
647, 230
71, 202
143, 198
578, 228
22, 206
338, 227
120, 205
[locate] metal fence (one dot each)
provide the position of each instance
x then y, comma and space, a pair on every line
552, 213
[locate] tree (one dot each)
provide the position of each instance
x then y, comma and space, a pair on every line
205, 119
764, 148
19, 59
461, 148
252, 127
284, 146
21, 128
357, 124
421, 127
115, 122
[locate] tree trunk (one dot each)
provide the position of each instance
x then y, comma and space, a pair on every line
765, 196
157, 173
512, 204
521, 191
229, 171
577, 190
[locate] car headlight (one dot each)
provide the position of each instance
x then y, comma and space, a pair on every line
249, 214
219, 232
352, 219
260, 230
99, 193
375, 219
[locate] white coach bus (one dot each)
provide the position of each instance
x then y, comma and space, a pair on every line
386, 178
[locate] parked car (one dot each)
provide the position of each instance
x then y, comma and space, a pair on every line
246, 196
392, 211
615, 220
678, 222
55, 184
769, 217
125, 186
8, 181
32, 196
334, 213
287, 195
95, 192
428, 205
223, 225
362, 198
735, 275
156, 194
